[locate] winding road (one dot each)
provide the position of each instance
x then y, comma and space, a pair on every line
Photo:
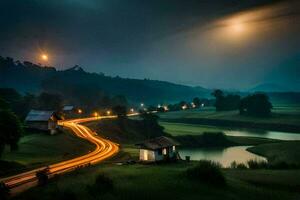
104, 149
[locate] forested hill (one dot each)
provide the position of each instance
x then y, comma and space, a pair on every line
33, 78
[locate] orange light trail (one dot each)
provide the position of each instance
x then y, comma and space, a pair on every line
104, 149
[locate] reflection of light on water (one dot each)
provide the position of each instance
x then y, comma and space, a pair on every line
224, 156
264, 134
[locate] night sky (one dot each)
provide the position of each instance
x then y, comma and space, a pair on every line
228, 44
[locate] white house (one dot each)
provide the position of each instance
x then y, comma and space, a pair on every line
42, 120
158, 149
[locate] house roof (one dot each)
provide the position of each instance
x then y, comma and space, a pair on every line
68, 108
158, 143
39, 115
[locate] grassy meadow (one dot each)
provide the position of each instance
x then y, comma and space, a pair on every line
288, 152
283, 114
169, 182
41, 149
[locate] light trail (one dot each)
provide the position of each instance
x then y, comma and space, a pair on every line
104, 149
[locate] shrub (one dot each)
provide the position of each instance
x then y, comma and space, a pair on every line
103, 184
207, 171
4, 191
65, 195
241, 166
235, 165
257, 164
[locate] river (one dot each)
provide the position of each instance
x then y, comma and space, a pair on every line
226, 156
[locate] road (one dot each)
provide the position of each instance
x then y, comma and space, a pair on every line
104, 149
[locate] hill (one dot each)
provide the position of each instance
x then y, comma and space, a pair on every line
33, 78
269, 87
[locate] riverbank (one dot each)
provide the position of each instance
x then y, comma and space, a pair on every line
280, 120
281, 152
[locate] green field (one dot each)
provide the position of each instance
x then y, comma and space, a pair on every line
288, 152
283, 114
169, 182
42, 149
179, 129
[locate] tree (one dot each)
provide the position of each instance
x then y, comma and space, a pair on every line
256, 105
47, 101
219, 95
228, 102
119, 100
10, 130
151, 128
3, 104
197, 102
120, 111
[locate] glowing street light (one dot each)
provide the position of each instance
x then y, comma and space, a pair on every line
132, 110
142, 104
108, 112
79, 111
96, 114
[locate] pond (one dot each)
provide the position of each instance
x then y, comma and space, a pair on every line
225, 156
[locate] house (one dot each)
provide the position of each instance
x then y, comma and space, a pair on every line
68, 109
158, 149
42, 120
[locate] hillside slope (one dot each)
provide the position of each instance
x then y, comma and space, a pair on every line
29, 77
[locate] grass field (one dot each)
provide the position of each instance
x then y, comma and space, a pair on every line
42, 149
284, 114
169, 182
178, 129
288, 152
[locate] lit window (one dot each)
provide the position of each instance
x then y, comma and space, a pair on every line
145, 155
165, 151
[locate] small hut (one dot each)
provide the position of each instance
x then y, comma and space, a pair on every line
68, 109
158, 149
42, 120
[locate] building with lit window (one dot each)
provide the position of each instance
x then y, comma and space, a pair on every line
42, 120
158, 149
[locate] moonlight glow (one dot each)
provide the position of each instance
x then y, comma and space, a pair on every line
44, 57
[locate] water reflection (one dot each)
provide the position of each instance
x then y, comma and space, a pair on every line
264, 134
225, 156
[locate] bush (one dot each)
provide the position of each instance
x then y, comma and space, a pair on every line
235, 165
257, 164
4, 191
65, 195
208, 172
103, 184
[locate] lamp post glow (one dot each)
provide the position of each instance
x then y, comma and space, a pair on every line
96, 114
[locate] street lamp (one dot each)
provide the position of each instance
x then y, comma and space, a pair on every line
96, 114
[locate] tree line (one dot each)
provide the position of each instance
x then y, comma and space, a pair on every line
257, 104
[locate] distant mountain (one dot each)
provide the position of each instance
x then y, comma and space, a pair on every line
29, 77
269, 87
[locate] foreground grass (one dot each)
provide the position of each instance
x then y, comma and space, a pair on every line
288, 152
169, 182
41, 149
